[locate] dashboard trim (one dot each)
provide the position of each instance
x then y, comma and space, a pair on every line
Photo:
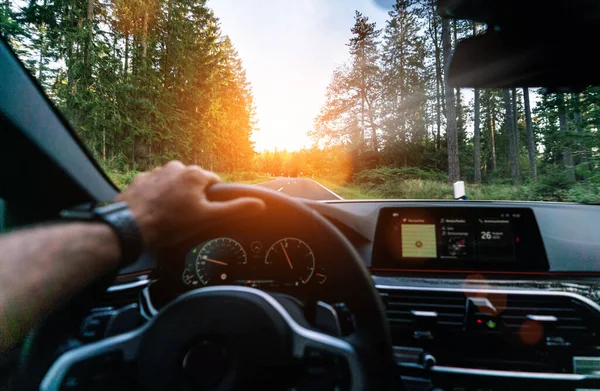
446, 271
531, 292
128, 285
511, 374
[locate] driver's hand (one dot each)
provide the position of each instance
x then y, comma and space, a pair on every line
170, 204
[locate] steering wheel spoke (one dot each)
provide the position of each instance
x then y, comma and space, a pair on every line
326, 359
98, 365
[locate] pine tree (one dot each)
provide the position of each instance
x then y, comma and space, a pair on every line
531, 148
403, 84
365, 72
513, 144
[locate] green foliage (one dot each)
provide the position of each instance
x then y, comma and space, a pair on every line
414, 183
142, 82
552, 185
246, 177
384, 175
584, 194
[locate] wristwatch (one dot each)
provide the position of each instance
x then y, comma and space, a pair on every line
116, 215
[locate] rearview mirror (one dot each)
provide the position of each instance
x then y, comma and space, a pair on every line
493, 61
529, 43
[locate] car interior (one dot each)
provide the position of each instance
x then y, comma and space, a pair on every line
326, 295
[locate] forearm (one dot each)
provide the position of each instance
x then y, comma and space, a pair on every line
44, 266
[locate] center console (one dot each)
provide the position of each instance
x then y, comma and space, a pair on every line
471, 330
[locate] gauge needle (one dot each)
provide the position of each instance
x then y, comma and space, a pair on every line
215, 261
286, 256
189, 278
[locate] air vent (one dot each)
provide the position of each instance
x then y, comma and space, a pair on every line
561, 320
423, 314
494, 329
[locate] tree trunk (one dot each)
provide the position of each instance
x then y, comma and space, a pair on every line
362, 100
476, 139
438, 76
40, 77
476, 130
530, 136
513, 96
513, 149
104, 144
88, 43
492, 123
166, 63
373, 127
451, 134
459, 109
126, 68
438, 119
579, 128
567, 154
145, 36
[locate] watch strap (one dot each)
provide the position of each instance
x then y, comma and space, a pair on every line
119, 217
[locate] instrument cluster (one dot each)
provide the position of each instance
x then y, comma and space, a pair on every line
287, 262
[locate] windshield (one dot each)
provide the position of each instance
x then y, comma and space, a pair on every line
319, 99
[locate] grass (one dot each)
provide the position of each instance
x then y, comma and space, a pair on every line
413, 183
245, 177
347, 191
422, 189
419, 189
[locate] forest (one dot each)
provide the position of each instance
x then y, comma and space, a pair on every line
142, 81
147, 81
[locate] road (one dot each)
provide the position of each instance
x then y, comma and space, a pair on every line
301, 187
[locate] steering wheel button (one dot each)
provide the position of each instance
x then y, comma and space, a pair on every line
71, 384
93, 326
76, 376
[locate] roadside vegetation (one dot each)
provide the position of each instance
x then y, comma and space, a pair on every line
414, 183
122, 178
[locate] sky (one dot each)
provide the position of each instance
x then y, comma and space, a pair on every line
289, 49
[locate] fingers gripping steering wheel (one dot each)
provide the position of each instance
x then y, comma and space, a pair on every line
231, 337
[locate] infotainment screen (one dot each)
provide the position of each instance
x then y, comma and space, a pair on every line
458, 238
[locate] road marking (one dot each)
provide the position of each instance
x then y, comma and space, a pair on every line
325, 188
281, 188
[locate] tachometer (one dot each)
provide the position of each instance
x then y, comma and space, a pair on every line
189, 278
216, 259
293, 258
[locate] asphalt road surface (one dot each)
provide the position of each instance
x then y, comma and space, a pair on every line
301, 187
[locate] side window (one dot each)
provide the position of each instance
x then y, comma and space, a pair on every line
2, 227
2, 217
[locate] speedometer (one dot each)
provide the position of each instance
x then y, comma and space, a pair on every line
216, 259
293, 259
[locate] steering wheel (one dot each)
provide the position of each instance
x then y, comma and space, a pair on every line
233, 337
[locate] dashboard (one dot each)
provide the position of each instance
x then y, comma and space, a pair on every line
493, 295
